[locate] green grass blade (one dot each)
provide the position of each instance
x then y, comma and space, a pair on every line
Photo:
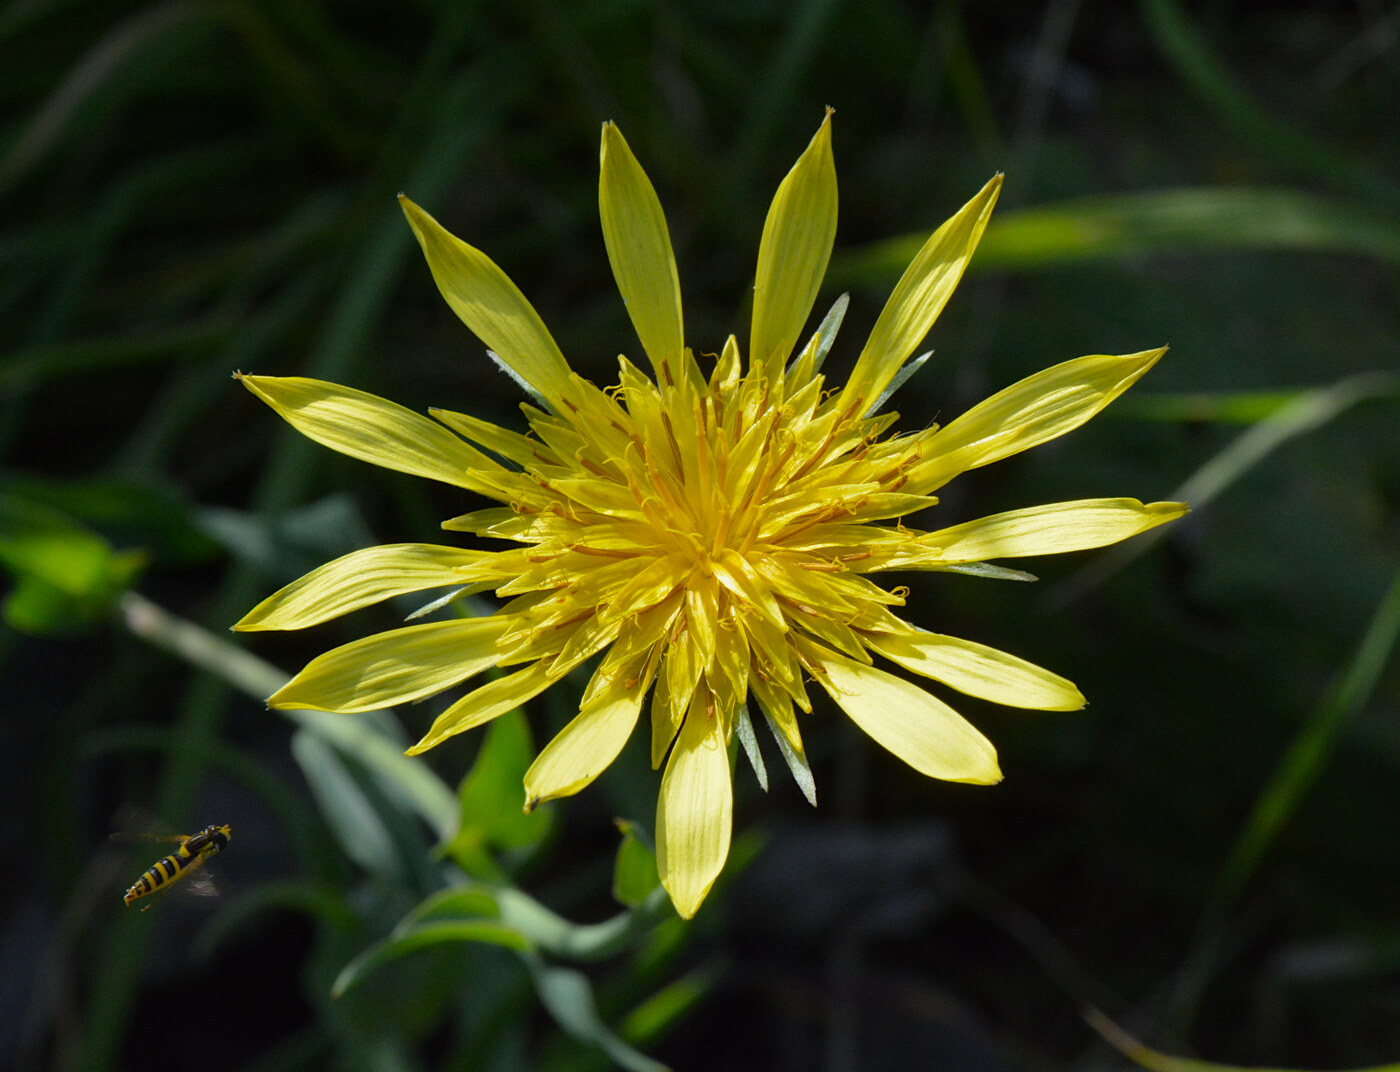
1206, 74
1108, 227
568, 995
425, 936
1156, 1061
364, 738
1302, 765
1304, 412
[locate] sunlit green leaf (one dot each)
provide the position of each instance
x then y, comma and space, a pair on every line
153, 517
65, 575
658, 1013
634, 872
492, 794
563, 938
425, 936
1109, 227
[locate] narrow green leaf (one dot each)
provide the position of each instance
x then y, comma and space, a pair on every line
353, 819
371, 739
568, 995
1296, 774
1206, 73
1304, 412
425, 936
1110, 227
476, 901
662, 1010
560, 937
1156, 1061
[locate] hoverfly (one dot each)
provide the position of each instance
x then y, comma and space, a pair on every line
194, 852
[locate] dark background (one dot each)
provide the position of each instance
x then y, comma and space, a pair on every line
1208, 852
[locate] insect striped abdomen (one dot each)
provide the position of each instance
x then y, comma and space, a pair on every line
159, 874
188, 858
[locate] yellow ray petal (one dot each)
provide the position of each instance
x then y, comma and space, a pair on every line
737, 574
639, 249
663, 725
518, 448
778, 708
793, 253
1049, 529
978, 670
1026, 414
652, 580
680, 674
702, 614
918, 298
490, 305
363, 577
594, 635
694, 813
483, 704
920, 729
399, 666
583, 749
375, 430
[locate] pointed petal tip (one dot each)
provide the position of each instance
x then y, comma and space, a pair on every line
610, 138
687, 904
415, 215
285, 700
1163, 512
987, 773
1147, 358
1073, 702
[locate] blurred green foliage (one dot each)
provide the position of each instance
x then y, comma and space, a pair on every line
1207, 853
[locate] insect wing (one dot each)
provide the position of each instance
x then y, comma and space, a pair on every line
129, 837
184, 867
193, 883
201, 884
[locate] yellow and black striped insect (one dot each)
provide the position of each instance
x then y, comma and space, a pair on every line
194, 852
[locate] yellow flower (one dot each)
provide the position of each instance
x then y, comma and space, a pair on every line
712, 537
